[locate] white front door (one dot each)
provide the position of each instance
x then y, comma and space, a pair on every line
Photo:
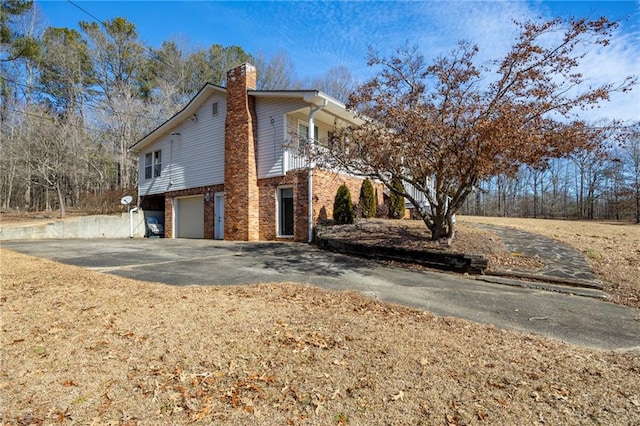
218, 216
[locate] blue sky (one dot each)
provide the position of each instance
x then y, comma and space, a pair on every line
319, 35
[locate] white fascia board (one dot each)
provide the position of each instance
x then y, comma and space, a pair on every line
335, 108
315, 98
182, 115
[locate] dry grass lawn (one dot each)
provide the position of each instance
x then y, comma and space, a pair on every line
79, 347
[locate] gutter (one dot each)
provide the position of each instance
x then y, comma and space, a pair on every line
310, 136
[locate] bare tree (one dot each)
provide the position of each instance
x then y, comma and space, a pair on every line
337, 82
65, 70
118, 56
441, 129
276, 73
592, 168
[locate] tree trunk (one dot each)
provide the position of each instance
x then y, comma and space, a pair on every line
441, 226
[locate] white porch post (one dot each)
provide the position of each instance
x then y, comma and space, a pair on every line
311, 139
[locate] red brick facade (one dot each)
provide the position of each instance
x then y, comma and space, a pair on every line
297, 179
325, 185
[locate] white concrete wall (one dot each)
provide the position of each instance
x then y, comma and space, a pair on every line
101, 226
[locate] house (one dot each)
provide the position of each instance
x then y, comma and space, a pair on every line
229, 164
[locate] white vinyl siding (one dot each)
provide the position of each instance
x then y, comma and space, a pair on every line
192, 155
272, 133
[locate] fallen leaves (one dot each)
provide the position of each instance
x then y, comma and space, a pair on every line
398, 396
279, 354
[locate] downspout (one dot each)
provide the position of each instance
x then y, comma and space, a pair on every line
135, 209
311, 138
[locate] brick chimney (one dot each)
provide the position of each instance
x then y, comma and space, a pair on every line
241, 218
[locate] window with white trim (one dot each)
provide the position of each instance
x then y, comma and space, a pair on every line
152, 164
148, 165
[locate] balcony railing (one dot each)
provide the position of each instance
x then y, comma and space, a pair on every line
295, 160
295, 156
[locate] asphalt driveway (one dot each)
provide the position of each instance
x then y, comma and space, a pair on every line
579, 320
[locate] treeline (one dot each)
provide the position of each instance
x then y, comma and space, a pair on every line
600, 184
72, 102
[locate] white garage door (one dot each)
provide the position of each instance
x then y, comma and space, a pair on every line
190, 217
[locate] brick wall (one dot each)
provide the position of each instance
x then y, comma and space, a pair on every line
325, 185
269, 200
241, 219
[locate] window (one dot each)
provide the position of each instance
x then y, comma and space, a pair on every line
303, 135
214, 109
285, 212
152, 164
147, 166
157, 163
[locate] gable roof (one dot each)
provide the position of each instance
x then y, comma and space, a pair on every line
173, 122
312, 97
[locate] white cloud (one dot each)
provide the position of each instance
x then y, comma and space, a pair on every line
437, 27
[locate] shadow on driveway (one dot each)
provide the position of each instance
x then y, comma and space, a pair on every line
293, 258
197, 262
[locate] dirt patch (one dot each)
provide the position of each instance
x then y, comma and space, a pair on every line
34, 218
83, 347
611, 248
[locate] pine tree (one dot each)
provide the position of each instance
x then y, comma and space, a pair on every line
342, 206
367, 199
396, 201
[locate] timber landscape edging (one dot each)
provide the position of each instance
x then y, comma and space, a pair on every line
465, 263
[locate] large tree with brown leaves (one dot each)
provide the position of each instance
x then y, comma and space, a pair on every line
443, 127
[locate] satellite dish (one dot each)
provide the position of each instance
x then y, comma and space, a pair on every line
126, 200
